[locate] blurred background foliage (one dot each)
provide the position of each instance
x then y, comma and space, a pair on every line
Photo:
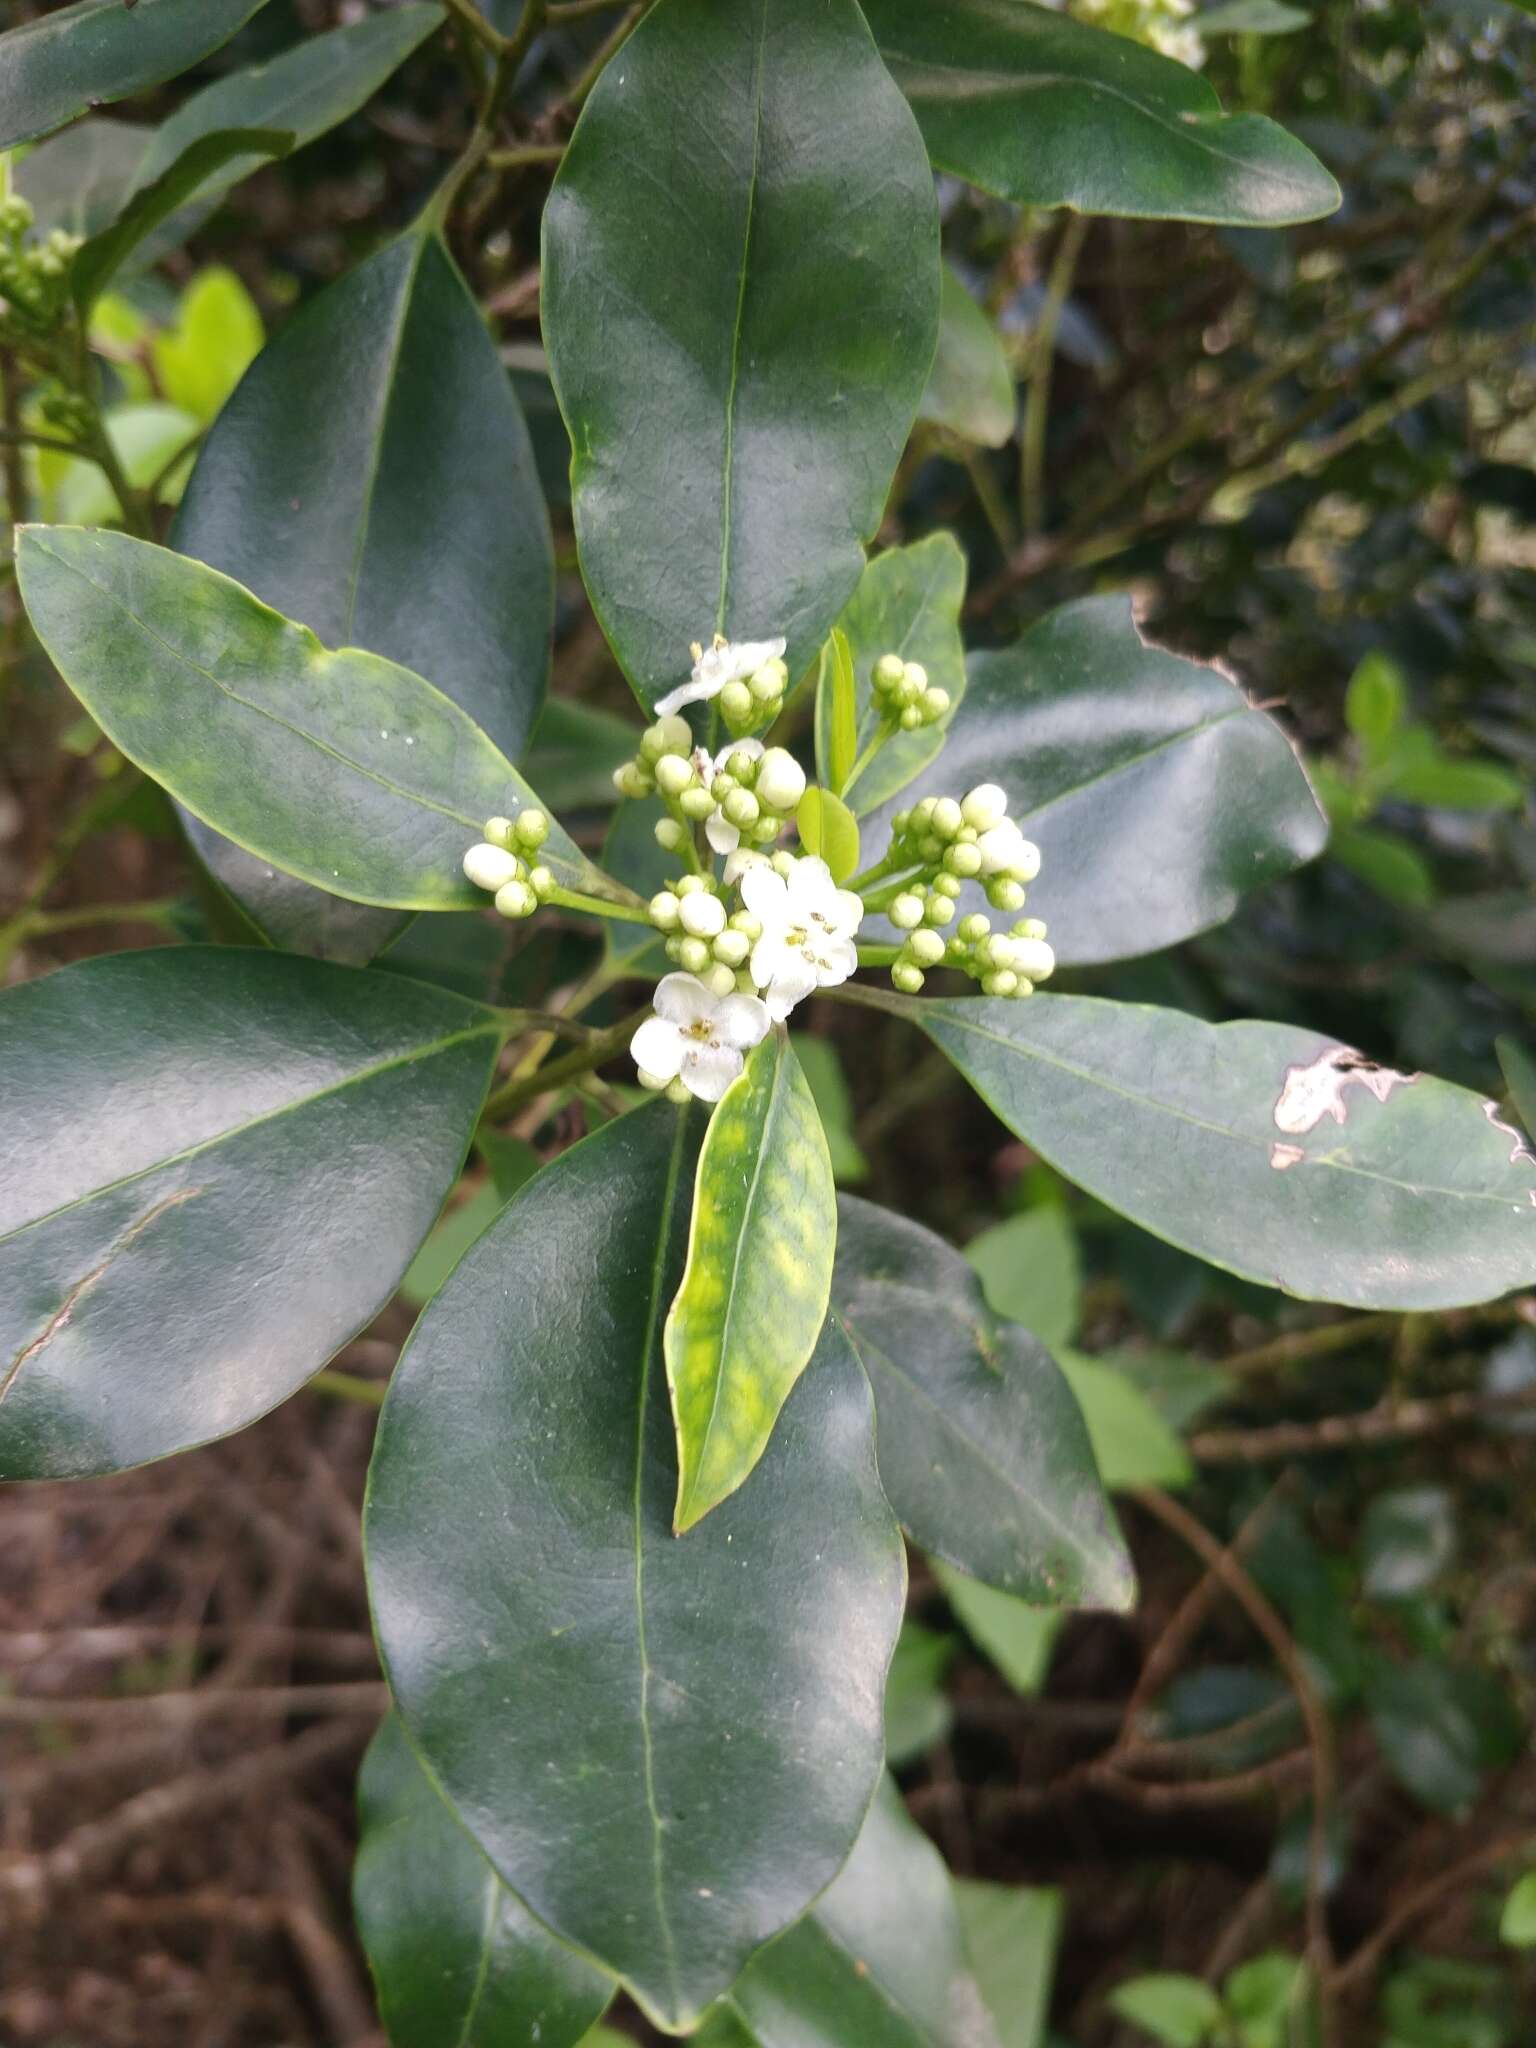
1309, 455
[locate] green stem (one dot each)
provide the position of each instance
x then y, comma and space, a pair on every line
525, 153
577, 94
348, 1386
39, 923
1043, 355
584, 1060
882, 868
882, 899
886, 730
592, 906
879, 956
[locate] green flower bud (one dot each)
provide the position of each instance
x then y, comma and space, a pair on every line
1030, 928
934, 704
906, 977
784, 864
1005, 895
744, 922
655, 1082
974, 927
491, 867
914, 677
677, 1091
938, 909
780, 780
669, 834
516, 899
674, 774
946, 817
984, 806
689, 885
926, 948
499, 831
663, 908
1002, 983
922, 813
719, 980
15, 215
541, 881
906, 912
738, 707
947, 885
741, 808
701, 915
731, 947
887, 673
765, 831
631, 780
721, 785
900, 824
676, 735
744, 767
693, 955
531, 829
696, 803
911, 719
963, 860
770, 681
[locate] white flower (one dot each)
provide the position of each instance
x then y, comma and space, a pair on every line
491, 867
1005, 851
808, 931
714, 667
722, 835
697, 1037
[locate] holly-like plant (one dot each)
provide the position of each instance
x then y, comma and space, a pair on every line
634, 1522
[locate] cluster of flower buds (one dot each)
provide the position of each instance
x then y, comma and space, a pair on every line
34, 276
746, 792
904, 696
703, 937
1010, 963
501, 863
747, 678
972, 840
751, 703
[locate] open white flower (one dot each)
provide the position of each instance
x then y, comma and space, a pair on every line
714, 667
723, 836
696, 1037
808, 931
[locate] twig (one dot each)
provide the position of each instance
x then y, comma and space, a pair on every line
1387, 1422
1356, 1974
365, 1696
1037, 403
585, 1059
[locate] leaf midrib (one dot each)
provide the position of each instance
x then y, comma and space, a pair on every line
728, 482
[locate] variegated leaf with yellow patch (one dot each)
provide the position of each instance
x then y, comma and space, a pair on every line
759, 1274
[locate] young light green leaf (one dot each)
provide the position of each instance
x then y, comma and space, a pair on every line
878, 1961
457, 1958
1032, 1272
1018, 1638
1386, 863
216, 336
917, 1709
1132, 1444
1178, 2011
341, 767
553, 1671
829, 829
1156, 794
908, 603
837, 681
1048, 111
78, 57
1517, 1922
759, 1274
740, 321
239, 1210
382, 394
1375, 701
104, 254
1272, 1151
1011, 1935
983, 1452
970, 388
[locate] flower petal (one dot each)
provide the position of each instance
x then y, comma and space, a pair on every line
764, 894
810, 883
794, 981
691, 692
657, 1048
709, 1070
722, 835
846, 913
742, 1021
682, 999
836, 961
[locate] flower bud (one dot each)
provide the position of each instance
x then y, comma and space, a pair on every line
743, 766
922, 813
887, 673
655, 1082
669, 834
963, 860
934, 704
1002, 983
784, 864
906, 912
780, 780
631, 780
947, 885
499, 831
738, 707
914, 679
731, 947
741, 809
946, 817
689, 885
696, 803
911, 719
721, 786
973, 927
938, 909
491, 867
701, 915
770, 681
541, 881
693, 955
906, 977
516, 899
766, 830
677, 1091
984, 806
743, 921
926, 948
1034, 958
531, 829
1005, 895
664, 908
1030, 928
674, 774
719, 980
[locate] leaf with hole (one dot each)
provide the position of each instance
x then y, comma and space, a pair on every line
741, 296
568, 1668
204, 1200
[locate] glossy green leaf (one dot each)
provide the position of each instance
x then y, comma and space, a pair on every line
1048, 111
573, 752
1032, 1272
1176, 2010
741, 294
308, 89
908, 603
1519, 1071
1263, 1148
829, 829
1386, 863
78, 57
632, 856
917, 1709
1132, 1444
458, 1227
345, 769
843, 722
105, 254
1441, 1727
754, 1294
1156, 794
823, 1069
878, 1961
1018, 1638
970, 387
218, 1163
457, 1958
983, 1453
566, 1666
1011, 1935
381, 396
1407, 1539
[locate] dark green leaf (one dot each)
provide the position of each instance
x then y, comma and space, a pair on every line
759, 1274
632, 856
1051, 112
1156, 795
1386, 863
566, 1666
1011, 1934
383, 395
459, 1226
908, 603
1031, 1271
311, 87
970, 388
573, 752
879, 1961
63, 63
79, 180
741, 296
347, 770
828, 829
823, 1069
1439, 1728
982, 1450
1519, 1070
218, 1165
104, 254
1263, 1148
458, 1960
1407, 1540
